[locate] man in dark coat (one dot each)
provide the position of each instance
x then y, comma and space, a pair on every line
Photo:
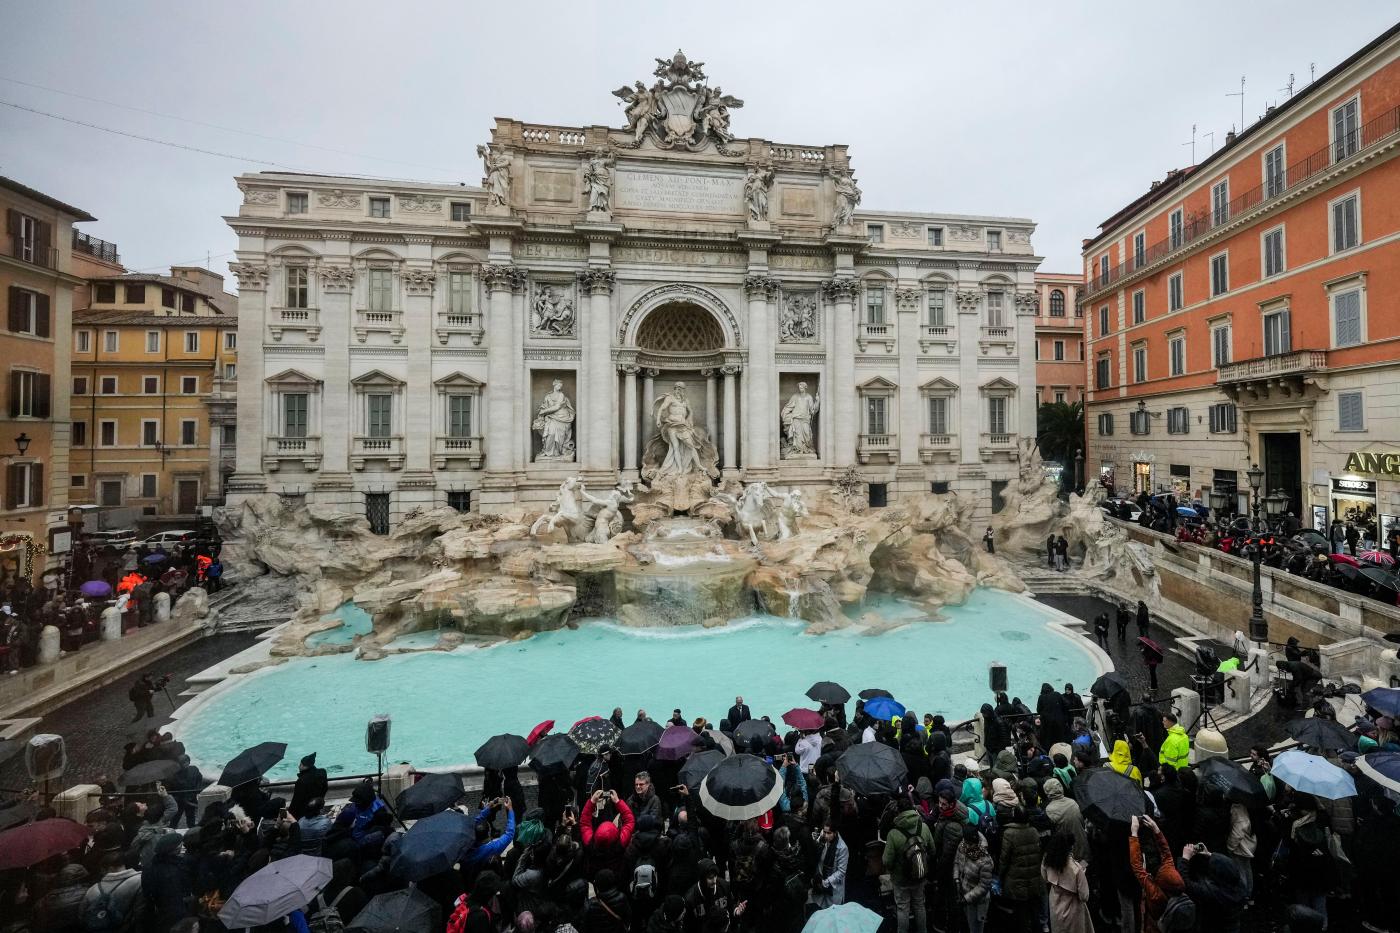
1144, 619
311, 785
166, 884
738, 713
1101, 630
1054, 718
140, 696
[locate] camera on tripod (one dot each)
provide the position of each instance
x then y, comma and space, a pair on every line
1207, 679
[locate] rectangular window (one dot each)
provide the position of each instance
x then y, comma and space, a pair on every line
298, 287
189, 432
1222, 418
459, 416
79, 433
1176, 292
1220, 203
30, 394
150, 433
1059, 397
1139, 306
1106, 425
1139, 422
1140, 363
461, 211
167, 298
23, 311
230, 340
1346, 129
111, 491
935, 236
996, 414
107, 433
1101, 372
1103, 320
459, 293
378, 415
1175, 223
1139, 250
938, 415
105, 293
1351, 412
1346, 313
78, 481
1220, 274
109, 385
993, 241
875, 420
186, 303
377, 512
1274, 172
379, 207
1178, 420
381, 290
1220, 345
191, 341
1103, 268
136, 294
936, 307
294, 414
152, 341
148, 485
228, 435
150, 385
876, 232
1278, 335
1273, 252
189, 385
459, 499
109, 341
1176, 350
1059, 349
874, 306
83, 341
1346, 223
80, 385
297, 202
230, 370
995, 310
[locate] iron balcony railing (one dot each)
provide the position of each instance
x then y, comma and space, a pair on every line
100, 249
1294, 177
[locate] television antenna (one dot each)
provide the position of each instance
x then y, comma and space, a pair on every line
1289, 88
1192, 144
1240, 95
1211, 134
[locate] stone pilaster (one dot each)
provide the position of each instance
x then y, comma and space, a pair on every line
908, 303
760, 417
420, 286
253, 430
630, 461
730, 458
845, 427
501, 390
598, 382
971, 420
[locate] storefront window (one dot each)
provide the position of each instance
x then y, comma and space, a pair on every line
1354, 502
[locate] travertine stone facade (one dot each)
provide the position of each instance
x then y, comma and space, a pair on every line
401, 342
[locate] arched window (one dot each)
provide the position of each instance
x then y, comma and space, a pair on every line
1057, 303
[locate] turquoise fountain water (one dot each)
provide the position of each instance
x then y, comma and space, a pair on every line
444, 704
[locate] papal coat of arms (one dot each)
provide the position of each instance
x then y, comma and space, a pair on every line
680, 110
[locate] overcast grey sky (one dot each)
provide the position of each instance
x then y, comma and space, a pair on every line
1060, 112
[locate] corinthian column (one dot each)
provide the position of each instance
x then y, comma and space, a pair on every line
842, 292
911, 414
599, 384
731, 417
501, 391
629, 419
760, 419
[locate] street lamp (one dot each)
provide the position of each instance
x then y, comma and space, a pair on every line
1256, 479
22, 442
1275, 505
1079, 470
1219, 501
1258, 625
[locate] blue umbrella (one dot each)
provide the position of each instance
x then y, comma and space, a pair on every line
154, 558
1187, 512
1384, 700
96, 588
433, 845
843, 918
1381, 767
885, 708
1311, 774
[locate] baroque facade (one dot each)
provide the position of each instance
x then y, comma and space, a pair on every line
408, 345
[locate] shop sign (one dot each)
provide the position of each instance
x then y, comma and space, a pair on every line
1364, 461
1365, 487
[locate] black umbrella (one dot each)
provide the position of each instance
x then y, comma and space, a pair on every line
750, 729
1383, 579
554, 754
872, 768
148, 772
593, 733
433, 845
1108, 795
1324, 734
874, 692
1237, 784
14, 813
827, 692
252, 763
698, 765
1109, 685
502, 751
741, 788
405, 911
640, 737
432, 794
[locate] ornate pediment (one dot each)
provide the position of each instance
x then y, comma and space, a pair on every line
939, 384
458, 380
376, 378
1000, 383
293, 378
680, 110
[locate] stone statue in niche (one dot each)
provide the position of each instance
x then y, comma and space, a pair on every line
790, 513
554, 313
797, 417
597, 181
756, 188
798, 321
678, 448
497, 166
554, 420
847, 197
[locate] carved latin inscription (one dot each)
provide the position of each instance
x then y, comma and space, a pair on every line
681, 194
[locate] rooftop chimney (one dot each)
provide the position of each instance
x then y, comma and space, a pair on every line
1230, 138
199, 278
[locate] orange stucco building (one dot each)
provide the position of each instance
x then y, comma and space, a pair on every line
1059, 338
1243, 310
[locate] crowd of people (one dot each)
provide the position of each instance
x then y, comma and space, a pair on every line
999, 838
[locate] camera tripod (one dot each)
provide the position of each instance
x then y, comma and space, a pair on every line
1203, 686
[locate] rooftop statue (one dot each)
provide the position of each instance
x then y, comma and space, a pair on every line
680, 110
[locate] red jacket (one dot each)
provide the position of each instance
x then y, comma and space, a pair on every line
606, 846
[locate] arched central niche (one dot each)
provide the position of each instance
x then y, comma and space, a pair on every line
680, 327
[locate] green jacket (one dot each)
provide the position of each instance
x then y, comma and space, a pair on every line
907, 825
1020, 863
1176, 750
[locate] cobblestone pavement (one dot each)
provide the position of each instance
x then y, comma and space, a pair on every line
97, 726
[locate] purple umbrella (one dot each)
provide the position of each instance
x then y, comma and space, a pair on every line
96, 588
676, 743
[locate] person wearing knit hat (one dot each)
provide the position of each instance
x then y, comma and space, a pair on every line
312, 783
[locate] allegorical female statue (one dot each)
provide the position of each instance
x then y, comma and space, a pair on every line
554, 420
797, 416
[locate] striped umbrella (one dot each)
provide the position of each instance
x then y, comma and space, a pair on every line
1379, 558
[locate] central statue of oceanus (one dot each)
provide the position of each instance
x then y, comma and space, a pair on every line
678, 448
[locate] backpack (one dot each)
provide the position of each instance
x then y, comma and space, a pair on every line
1179, 916
457, 923
987, 823
916, 858
101, 915
644, 882
327, 918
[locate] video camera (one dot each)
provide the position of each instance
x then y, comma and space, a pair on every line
1207, 679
